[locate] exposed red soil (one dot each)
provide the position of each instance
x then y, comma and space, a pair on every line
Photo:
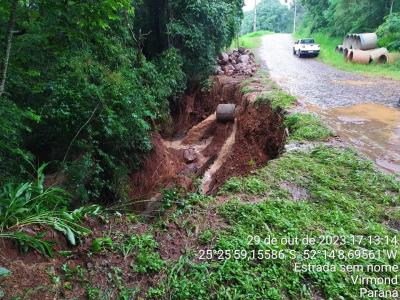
197, 106
259, 138
165, 167
220, 133
160, 169
31, 272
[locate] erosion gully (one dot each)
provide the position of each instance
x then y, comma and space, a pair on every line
198, 148
362, 110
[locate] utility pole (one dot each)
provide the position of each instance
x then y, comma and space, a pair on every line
295, 16
255, 17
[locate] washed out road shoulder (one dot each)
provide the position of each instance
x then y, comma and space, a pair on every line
317, 192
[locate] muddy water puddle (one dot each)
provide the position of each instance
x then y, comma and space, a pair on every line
373, 129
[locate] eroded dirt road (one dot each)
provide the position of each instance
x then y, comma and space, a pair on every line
362, 110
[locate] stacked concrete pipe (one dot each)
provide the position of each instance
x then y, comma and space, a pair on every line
367, 41
379, 56
362, 48
360, 57
346, 52
339, 48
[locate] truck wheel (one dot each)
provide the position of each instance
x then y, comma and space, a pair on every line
299, 53
294, 51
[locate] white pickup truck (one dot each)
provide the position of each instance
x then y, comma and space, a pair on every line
306, 47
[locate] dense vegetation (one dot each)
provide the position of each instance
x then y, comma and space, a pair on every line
340, 17
271, 16
85, 82
314, 192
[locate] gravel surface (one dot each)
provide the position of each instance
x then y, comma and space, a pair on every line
315, 82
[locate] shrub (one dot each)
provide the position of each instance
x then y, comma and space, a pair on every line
31, 203
389, 32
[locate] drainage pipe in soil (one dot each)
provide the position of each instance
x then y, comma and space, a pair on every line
226, 112
360, 57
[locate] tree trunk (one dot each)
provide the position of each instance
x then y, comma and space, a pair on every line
8, 41
255, 17
391, 7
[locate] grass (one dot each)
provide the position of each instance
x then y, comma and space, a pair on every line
304, 195
277, 99
318, 194
306, 127
251, 40
329, 56
346, 197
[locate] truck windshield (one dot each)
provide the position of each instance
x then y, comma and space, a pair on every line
308, 41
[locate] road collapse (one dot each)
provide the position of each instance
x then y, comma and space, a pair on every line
215, 135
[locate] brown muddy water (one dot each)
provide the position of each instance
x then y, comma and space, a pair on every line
373, 129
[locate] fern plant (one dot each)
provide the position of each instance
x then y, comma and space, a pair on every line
31, 203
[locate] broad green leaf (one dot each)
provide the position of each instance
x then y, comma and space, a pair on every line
4, 272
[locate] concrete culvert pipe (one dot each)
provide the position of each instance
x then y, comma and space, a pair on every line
357, 42
346, 53
379, 56
346, 42
368, 41
226, 112
352, 41
339, 48
360, 57
350, 55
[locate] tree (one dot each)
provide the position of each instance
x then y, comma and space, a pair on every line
97, 77
271, 15
339, 17
8, 42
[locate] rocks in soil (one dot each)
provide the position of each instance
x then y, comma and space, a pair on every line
224, 58
237, 62
244, 59
190, 155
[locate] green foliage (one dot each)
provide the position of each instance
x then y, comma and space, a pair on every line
306, 127
4, 272
252, 40
30, 203
101, 244
340, 17
276, 98
271, 16
206, 237
12, 125
348, 198
91, 80
389, 32
200, 29
147, 259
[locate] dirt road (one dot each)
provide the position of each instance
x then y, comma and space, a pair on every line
362, 110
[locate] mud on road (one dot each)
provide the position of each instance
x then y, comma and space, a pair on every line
361, 109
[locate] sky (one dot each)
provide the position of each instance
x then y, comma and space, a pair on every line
249, 4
